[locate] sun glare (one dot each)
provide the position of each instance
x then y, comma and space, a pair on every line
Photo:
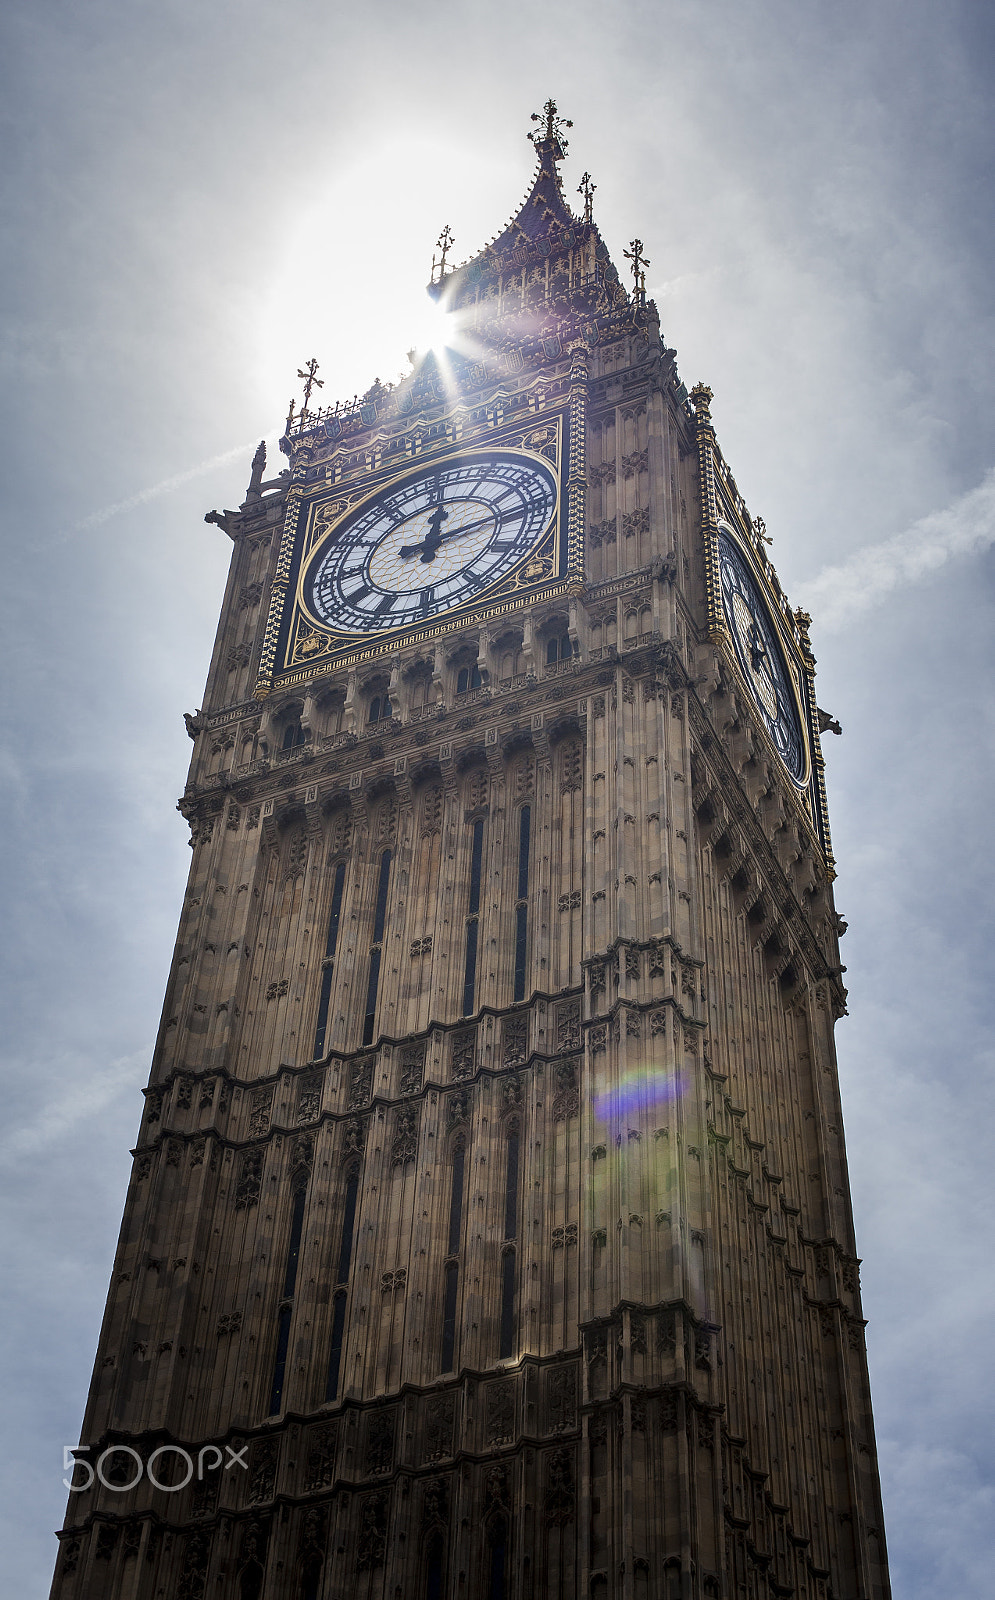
434, 327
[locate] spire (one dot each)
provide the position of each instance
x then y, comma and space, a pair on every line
254, 491
544, 209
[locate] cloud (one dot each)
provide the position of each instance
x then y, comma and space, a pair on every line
841, 594
164, 486
76, 1102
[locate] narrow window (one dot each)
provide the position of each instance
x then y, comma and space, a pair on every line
294, 1247
348, 1225
375, 709
286, 1310
550, 652
449, 1317
476, 681
335, 1354
521, 907
472, 921
341, 1279
280, 1365
508, 1262
456, 1201
293, 735
508, 1258
379, 920
463, 680
511, 1189
433, 1585
452, 1266
498, 1539
566, 648
329, 969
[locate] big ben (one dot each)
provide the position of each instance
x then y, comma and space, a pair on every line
489, 1232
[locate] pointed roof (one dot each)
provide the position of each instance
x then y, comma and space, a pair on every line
543, 218
544, 209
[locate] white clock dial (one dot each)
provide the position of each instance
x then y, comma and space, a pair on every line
429, 543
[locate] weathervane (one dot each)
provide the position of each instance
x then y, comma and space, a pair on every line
444, 242
307, 372
639, 261
587, 189
553, 132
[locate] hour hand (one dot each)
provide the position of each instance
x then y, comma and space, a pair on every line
432, 541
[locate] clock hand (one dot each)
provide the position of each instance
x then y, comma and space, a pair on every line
433, 541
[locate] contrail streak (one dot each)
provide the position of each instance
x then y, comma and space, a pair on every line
164, 486
842, 593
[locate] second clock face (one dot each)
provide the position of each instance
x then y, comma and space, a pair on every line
755, 637
429, 543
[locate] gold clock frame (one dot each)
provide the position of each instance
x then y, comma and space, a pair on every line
795, 665
539, 437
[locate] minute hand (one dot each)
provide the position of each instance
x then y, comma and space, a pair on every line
433, 543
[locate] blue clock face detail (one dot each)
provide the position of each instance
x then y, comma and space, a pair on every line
439, 538
758, 650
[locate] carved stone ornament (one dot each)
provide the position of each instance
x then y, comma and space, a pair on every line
435, 1503
372, 1543
262, 1470
561, 1398
560, 1493
568, 1034
361, 1083
440, 1413
514, 1042
404, 1146
462, 1059
309, 1094
320, 1469
499, 1425
566, 1099
412, 1068
196, 1560
248, 1178
260, 1106
380, 1442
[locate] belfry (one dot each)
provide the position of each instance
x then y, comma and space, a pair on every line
489, 1233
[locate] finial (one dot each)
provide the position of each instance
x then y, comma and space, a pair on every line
307, 372
254, 490
639, 261
761, 527
444, 243
701, 399
290, 416
552, 134
587, 189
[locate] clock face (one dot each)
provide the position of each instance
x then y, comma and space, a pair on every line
758, 648
440, 537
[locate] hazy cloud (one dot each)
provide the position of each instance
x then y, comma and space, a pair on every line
840, 594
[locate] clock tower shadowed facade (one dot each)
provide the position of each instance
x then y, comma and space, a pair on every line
489, 1233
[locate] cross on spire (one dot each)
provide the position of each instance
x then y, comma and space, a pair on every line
587, 189
307, 372
552, 133
639, 262
444, 242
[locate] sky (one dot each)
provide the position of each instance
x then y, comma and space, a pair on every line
198, 197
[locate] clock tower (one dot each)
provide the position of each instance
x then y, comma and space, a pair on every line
489, 1233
